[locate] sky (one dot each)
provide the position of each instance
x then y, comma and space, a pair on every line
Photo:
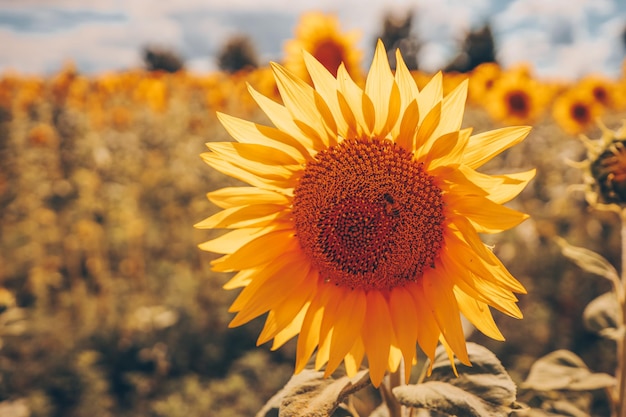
559, 38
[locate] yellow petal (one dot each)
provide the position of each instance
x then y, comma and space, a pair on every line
354, 358
290, 331
445, 309
405, 136
282, 119
245, 131
347, 327
501, 188
446, 150
352, 105
242, 196
235, 239
283, 314
217, 163
485, 215
241, 279
326, 86
270, 172
427, 329
484, 146
257, 215
259, 251
453, 107
378, 88
426, 130
252, 152
377, 334
431, 94
406, 83
478, 314
262, 294
404, 319
310, 333
299, 99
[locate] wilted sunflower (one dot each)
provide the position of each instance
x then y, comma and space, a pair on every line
319, 34
359, 231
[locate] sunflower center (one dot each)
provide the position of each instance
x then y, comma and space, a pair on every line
580, 113
368, 215
519, 103
330, 54
601, 95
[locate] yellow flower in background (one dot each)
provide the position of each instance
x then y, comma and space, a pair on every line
575, 111
359, 230
516, 99
319, 34
481, 81
603, 90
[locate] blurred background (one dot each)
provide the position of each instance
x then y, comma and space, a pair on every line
107, 306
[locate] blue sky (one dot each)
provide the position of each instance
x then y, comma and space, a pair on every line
560, 38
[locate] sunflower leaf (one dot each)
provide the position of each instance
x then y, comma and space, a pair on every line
588, 260
309, 394
564, 370
446, 398
484, 389
602, 315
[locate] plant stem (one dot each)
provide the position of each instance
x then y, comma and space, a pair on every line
619, 397
392, 380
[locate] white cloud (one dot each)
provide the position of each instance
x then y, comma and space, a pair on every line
527, 30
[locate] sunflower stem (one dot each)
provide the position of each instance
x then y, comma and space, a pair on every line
619, 395
392, 380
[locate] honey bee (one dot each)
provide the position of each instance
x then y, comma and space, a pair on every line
392, 207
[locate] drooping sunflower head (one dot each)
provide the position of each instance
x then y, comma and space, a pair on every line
359, 230
604, 169
319, 34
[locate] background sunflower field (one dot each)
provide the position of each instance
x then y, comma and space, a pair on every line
108, 308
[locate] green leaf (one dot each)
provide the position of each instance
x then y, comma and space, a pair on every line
564, 370
309, 394
588, 260
602, 315
484, 389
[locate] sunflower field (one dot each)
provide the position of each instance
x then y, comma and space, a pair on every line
109, 308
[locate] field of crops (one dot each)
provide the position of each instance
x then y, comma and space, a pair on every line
110, 309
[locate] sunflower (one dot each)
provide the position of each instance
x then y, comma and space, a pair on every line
319, 34
515, 99
359, 230
576, 110
481, 81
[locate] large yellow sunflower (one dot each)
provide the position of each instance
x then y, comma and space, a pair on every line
359, 231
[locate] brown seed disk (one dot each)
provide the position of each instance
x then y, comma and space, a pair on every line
368, 215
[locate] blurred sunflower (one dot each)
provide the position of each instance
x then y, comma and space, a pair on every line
575, 111
482, 80
515, 99
319, 34
603, 90
360, 228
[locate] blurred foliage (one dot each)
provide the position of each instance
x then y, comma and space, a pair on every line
398, 33
162, 59
237, 54
107, 307
477, 48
